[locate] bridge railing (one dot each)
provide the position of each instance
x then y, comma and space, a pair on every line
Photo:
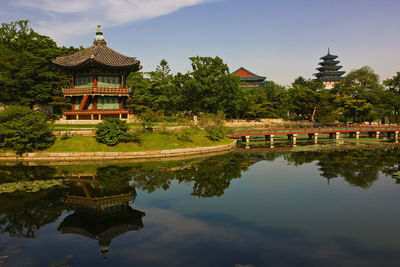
340, 129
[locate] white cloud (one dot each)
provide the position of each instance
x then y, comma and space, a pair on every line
63, 19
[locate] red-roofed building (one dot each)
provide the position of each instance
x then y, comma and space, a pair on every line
250, 79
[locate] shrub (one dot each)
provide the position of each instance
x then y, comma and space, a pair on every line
183, 136
65, 136
215, 133
111, 131
133, 137
148, 118
24, 130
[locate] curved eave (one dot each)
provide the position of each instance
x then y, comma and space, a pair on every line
253, 79
338, 67
327, 79
93, 63
328, 63
332, 72
329, 57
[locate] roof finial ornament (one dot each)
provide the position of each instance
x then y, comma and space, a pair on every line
99, 38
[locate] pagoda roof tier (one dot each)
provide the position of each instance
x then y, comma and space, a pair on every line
329, 56
333, 67
330, 62
98, 54
327, 79
332, 72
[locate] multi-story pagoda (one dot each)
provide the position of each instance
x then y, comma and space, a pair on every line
329, 72
249, 79
98, 88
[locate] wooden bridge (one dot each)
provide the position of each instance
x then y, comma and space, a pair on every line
314, 132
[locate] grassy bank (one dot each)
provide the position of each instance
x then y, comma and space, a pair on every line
151, 141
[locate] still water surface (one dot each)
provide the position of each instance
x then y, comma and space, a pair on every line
263, 208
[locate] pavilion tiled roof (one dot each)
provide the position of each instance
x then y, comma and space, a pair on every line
98, 54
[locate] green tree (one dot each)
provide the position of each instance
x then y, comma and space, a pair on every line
304, 97
390, 98
24, 130
210, 87
357, 96
27, 75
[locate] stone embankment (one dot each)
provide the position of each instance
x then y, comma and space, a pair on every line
109, 156
92, 132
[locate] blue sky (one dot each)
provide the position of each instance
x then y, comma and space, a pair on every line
278, 39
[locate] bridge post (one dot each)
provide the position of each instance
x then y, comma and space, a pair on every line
77, 117
247, 138
316, 138
377, 135
294, 139
357, 135
271, 138
337, 135
396, 136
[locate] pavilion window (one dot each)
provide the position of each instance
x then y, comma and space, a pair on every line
108, 81
77, 102
84, 81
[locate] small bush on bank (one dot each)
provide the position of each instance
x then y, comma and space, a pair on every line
148, 118
215, 133
183, 136
131, 137
24, 130
111, 131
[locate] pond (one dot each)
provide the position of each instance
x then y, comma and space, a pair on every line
331, 205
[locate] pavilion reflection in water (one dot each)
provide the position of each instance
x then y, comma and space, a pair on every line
99, 214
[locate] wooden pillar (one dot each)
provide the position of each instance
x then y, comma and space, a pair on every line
396, 136
377, 135
316, 138
77, 117
294, 139
91, 116
95, 80
120, 116
248, 139
337, 135
357, 135
99, 116
120, 80
73, 80
120, 102
271, 138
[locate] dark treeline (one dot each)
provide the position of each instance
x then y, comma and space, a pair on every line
27, 77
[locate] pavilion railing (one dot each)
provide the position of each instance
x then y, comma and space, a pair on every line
96, 111
95, 91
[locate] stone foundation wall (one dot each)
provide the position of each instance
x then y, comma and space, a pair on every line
107, 156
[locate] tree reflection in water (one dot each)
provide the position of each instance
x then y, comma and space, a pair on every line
23, 213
